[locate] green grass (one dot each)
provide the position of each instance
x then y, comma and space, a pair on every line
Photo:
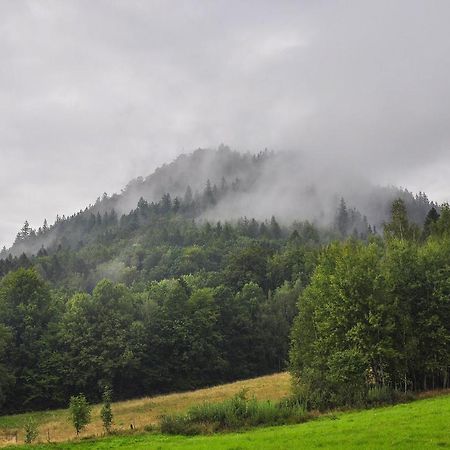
421, 424
15, 421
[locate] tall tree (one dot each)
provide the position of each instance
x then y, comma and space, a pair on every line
25, 308
430, 221
342, 218
7, 378
400, 226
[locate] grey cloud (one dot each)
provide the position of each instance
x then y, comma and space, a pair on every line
94, 93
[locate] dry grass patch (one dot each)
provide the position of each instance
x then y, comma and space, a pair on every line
147, 411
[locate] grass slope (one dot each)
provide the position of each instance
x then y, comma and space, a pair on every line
421, 424
144, 411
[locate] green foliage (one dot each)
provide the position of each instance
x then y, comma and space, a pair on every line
190, 304
400, 227
373, 322
430, 223
98, 333
379, 395
106, 411
6, 378
233, 414
31, 431
247, 265
331, 349
80, 412
421, 424
26, 316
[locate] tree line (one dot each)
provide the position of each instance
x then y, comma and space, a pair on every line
375, 318
159, 302
174, 334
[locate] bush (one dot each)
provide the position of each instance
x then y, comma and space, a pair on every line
31, 431
235, 413
179, 424
106, 411
150, 428
379, 395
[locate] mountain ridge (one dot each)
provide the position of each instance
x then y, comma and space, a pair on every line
258, 186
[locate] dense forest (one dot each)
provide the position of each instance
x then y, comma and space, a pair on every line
163, 298
375, 318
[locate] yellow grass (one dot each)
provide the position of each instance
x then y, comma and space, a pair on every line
146, 411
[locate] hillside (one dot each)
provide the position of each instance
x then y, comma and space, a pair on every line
144, 411
227, 185
143, 228
420, 424
160, 299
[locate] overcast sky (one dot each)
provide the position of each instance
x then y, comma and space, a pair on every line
93, 93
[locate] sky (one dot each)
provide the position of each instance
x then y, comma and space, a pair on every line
94, 93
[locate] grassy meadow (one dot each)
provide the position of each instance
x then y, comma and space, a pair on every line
422, 424
144, 411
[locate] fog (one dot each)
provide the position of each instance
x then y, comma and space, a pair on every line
96, 93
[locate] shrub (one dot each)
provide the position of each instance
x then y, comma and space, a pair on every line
106, 412
179, 424
31, 431
235, 413
379, 395
80, 412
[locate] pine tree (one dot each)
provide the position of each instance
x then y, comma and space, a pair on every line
176, 204
430, 220
24, 232
342, 218
208, 195
166, 203
275, 229
188, 196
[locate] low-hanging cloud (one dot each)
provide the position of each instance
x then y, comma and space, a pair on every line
94, 93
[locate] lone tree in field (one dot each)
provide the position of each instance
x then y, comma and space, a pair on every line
80, 412
106, 412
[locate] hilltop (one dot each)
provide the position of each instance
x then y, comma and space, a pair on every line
225, 185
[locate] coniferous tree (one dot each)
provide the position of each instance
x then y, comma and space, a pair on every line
275, 229
208, 195
342, 218
430, 220
188, 198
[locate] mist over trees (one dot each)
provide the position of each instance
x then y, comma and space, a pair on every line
375, 317
164, 298
225, 185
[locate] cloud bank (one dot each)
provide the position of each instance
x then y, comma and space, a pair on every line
94, 93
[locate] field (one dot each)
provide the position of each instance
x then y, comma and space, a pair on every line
144, 411
422, 424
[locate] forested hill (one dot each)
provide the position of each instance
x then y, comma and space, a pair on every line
170, 296
224, 185
195, 182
